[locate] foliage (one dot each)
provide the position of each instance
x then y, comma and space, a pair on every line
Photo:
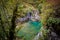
45, 12
7, 8
53, 20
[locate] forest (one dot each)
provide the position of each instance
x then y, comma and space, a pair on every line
29, 19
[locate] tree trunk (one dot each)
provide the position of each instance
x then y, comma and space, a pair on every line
12, 28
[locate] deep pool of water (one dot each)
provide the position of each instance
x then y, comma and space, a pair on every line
28, 32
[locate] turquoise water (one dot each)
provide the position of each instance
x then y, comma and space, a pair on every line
28, 32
